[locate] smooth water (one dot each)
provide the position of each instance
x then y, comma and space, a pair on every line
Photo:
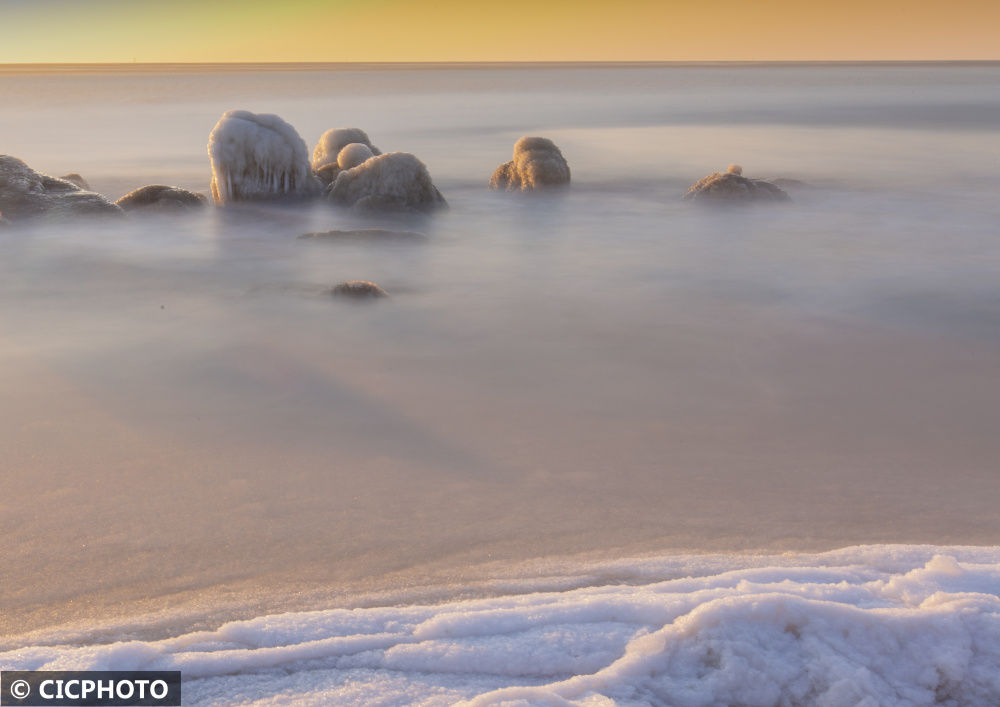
190, 422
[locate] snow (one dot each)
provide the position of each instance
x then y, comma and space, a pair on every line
258, 156
868, 625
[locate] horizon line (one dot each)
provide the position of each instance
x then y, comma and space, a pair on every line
530, 62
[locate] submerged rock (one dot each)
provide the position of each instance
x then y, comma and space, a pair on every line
326, 161
358, 289
789, 184
25, 193
394, 182
77, 180
158, 197
364, 234
258, 157
537, 164
732, 187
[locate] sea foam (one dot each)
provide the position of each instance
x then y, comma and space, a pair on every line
871, 625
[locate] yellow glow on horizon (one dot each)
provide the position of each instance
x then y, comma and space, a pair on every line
515, 30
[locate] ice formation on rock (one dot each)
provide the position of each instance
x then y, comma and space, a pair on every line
158, 197
537, 164
258, 157
354, 154
25, 193
326, 154
396, 181
733, 187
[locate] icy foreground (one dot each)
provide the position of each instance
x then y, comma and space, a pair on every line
870, 625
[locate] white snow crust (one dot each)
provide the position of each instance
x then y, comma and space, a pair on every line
870, 625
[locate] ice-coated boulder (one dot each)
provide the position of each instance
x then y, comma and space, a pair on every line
733, 188
159, 197
25, 193
354, 154
326, 154
395, 181
537, 164
258, 157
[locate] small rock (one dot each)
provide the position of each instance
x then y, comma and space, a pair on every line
77, 180
358, 289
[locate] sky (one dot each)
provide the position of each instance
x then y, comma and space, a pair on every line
496, 30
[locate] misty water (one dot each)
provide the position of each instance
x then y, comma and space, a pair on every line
189, 419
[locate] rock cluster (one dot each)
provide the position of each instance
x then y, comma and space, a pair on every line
25, 193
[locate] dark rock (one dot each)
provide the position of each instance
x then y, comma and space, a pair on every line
158, 197
358, 289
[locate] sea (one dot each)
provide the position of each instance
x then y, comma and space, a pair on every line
598, 447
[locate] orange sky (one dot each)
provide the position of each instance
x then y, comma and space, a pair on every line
501, 30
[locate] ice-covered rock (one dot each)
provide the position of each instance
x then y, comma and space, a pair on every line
25, 193
733, 188
258, 157
396, 181
158, 197
326, 154
537, 164
358, 289
354, 154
